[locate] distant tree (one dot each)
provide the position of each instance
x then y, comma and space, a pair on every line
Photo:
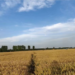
59, 47
19, 48
47, 48
53, 47
28, 47
0, 50
23, 47
4, 48
10, 50
15, 48
33, 47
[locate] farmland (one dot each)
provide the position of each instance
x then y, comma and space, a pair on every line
46, 62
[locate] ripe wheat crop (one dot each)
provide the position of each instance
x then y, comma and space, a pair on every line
43, 62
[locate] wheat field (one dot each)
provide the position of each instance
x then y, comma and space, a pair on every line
47, 62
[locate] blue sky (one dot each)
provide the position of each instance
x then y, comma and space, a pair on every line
43, 23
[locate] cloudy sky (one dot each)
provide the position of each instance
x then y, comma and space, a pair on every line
43, 23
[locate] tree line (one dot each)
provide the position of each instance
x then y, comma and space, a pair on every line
23, 48
15, 48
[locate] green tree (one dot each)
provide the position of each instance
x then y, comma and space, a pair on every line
47, 48
4, 48
19, 48
15, 48
23, 47
53, 47
33, 47
28, 47
0, 50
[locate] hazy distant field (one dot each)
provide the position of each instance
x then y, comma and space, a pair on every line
47, 62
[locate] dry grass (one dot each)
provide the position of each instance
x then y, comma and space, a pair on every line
15, 63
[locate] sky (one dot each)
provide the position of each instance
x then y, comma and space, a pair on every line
42, 23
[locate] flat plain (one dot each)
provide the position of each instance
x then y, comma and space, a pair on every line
47, 62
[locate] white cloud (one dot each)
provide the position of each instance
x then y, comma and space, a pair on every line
41, 31
40, 36
9, 3
56, 28
32, 4
24, 5
23, 37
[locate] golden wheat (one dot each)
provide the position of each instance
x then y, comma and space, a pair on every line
15, 63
